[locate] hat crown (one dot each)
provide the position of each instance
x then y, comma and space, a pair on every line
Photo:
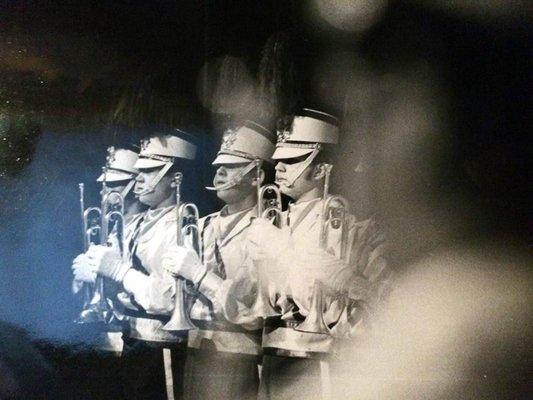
247, 142
120, 165
310, 126
122, 159
306, 132
167, 146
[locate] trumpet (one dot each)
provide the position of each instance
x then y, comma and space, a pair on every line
333, 216
268, 207
110, 217
91, 224
187, 224
268, 199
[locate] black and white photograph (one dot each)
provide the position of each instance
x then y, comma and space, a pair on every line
265, 199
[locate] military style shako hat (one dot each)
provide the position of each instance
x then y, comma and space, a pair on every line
120, 166
251, 143
160, 150
306, 133
248, 142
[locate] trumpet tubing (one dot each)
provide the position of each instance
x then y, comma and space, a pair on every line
269, 204
187, 223
334, 212
90, 231
334, 217
98, 223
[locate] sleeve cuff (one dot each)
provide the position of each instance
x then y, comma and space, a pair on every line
210, 285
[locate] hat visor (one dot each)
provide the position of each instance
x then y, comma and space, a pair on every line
289, 152
229, 159
148, 163
115, 176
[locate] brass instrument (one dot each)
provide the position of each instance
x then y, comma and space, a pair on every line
268, 199
186, 224
334, 212
111, 219
269, 204
333, 216
91, 223
268, 207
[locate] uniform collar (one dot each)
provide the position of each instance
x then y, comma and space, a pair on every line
299, 212
302, 204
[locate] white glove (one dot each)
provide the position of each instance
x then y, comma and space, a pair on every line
184, 262
107, 261
83, 270
264, 240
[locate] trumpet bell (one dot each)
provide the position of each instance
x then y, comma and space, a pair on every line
98, 310
262, 304
180, 320
314, 322
187, 222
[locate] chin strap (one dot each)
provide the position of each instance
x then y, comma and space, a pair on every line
128, 188
151, 186
236, 179
307, 162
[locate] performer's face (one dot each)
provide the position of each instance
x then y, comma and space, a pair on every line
287, 168
160, 193
236, 193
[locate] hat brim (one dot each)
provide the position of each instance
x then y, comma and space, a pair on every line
289, 152
229, 159
115, 176
148, 163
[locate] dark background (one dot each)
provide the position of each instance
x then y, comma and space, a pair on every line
76, 77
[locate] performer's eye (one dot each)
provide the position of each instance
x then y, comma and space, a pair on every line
295, 160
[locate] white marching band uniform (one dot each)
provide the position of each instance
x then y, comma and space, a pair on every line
149, 291
234, 326
225, 309
348, 268
228, 337
148, 296
120, 168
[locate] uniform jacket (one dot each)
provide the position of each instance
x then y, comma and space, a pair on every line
347, 284
149, 290
224, 310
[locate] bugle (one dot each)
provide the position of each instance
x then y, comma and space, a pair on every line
111, 219
268, 207
187, 223
333, 216
268, 199
91, 224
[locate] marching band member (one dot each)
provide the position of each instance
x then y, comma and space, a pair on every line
119, 176
148, 290
222, 362
329, 271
